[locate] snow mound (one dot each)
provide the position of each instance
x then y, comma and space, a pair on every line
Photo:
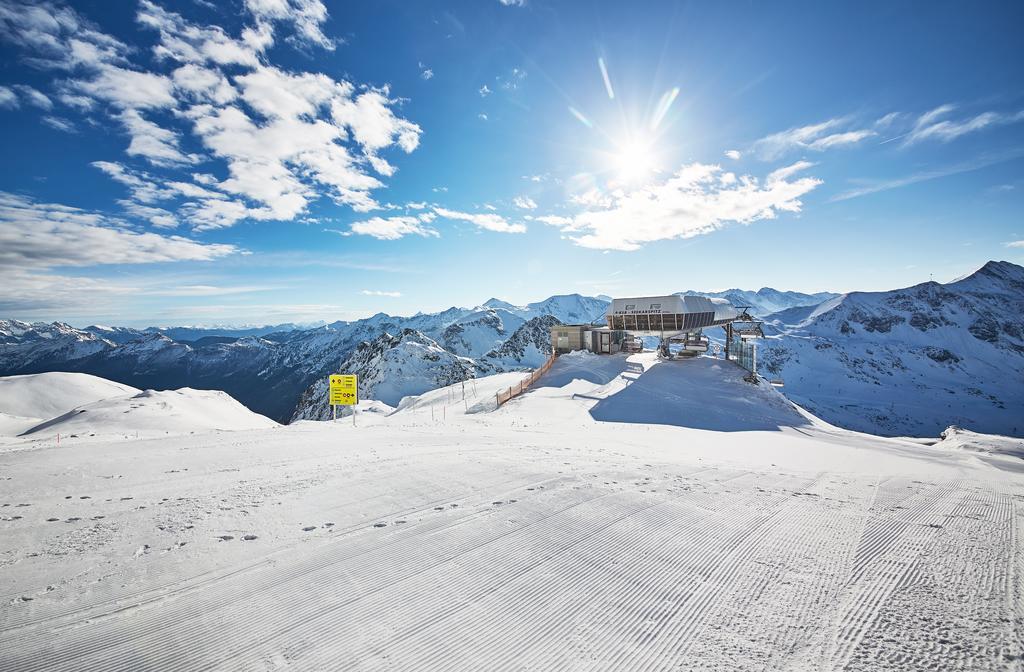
956, 438
583, 365
152, 413
45, 395
699, 393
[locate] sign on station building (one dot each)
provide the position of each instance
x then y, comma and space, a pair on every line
343, 390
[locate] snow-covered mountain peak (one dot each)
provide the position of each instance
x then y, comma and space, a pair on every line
911, 360
498, 303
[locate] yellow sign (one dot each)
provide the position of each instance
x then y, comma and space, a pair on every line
343, 390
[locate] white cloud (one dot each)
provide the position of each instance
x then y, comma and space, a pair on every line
377, 292
932, 126
59, 123
307, 16
484, 91
491, 222
513, 3
733, 154
184, 42
554, 220
816, 137
46, 235
524, 203
482, 116
282, 138
35, 97
204, 84
156, 144
158, 217
840, 139
976, 163
391, 228
1015, 243
126, 88
425, 72
143, 187
696, 200
888, 120
8, 98
57, 36
209, 290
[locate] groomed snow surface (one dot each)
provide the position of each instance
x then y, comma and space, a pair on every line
624, 514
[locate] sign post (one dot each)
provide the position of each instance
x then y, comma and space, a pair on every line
343, 391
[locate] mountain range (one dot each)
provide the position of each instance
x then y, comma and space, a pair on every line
766, 300
907, 361
270, 371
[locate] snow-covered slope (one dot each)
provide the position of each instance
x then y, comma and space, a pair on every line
152, 413
44, 395
596, 524
911, 361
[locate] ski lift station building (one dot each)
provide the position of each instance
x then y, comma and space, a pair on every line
668, 317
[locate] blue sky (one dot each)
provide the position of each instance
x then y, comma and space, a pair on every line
290, 160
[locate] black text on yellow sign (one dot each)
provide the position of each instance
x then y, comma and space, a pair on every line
343, 390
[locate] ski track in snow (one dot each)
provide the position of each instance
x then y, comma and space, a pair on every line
487, 544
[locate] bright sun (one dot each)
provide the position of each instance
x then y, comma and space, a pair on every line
633, 161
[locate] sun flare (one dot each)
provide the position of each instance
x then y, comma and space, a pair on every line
634, 161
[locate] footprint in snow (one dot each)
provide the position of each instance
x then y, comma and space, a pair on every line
225, 537
380, 524
309, 528
249, 537
52, 520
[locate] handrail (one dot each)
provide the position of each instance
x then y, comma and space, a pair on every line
524, 384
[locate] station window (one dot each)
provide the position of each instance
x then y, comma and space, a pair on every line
630, 306
655, 306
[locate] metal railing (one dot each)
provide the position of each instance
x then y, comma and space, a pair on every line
524, 384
